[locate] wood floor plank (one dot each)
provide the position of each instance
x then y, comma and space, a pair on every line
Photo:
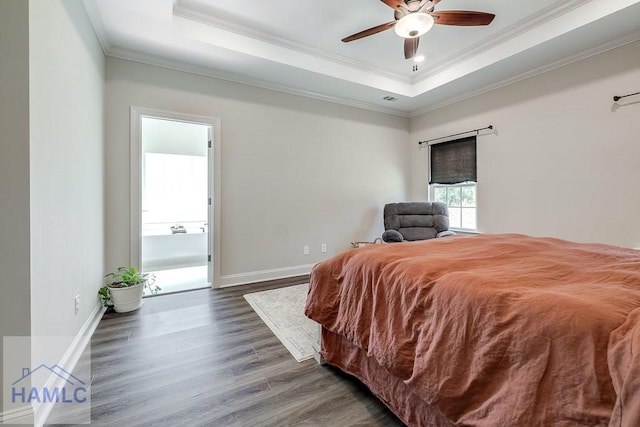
205, 358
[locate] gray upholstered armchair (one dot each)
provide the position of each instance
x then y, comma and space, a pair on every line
415, 221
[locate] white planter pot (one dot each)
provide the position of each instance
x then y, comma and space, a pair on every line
126, 299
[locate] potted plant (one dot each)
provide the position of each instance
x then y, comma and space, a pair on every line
126, 288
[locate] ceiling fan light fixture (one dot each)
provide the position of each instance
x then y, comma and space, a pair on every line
414, 25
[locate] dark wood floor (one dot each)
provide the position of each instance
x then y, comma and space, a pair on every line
205, 358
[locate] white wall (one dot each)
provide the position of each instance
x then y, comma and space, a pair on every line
66, 166
295, 171
564, 160
15, 311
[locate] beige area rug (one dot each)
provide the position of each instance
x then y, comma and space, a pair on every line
283, 312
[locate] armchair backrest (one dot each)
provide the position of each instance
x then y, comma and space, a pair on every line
417, 220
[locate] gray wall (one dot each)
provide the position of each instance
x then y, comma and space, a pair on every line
66, 143
15, 309
51, 171
295, 171
564, 161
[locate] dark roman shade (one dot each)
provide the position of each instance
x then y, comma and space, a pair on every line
453, 162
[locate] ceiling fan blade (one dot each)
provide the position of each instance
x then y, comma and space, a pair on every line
369, 32
411, 47
394, 4
462, 17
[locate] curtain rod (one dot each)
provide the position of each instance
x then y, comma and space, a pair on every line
477, 131
618, 98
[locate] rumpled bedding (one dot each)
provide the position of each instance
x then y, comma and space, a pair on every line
494, 330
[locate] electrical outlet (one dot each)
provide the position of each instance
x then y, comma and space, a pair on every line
77, 304
305, 250
323, 248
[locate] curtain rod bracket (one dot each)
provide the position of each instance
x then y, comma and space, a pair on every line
477, 131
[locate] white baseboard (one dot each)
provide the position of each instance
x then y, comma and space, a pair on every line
37, 415
263, 275
69, 361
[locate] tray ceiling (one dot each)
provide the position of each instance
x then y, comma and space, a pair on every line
295, 46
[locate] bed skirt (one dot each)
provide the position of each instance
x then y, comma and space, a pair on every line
413, 411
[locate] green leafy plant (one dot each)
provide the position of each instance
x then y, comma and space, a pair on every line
125, 277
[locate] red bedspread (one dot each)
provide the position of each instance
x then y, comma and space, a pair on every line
494, 330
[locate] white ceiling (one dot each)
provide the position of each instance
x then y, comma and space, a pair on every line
294, 45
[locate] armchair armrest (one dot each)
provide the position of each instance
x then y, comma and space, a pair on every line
446, 233
391, 236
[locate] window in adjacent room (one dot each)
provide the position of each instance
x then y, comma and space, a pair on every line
453, 178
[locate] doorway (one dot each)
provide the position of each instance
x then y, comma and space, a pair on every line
176, 204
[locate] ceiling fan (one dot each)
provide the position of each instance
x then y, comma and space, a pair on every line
413, 18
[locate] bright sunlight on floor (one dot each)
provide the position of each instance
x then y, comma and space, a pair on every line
182, 279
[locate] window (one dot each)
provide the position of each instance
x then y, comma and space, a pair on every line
453, 177
461, 200
175, 190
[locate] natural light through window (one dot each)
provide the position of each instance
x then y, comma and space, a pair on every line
461, 200
175, 188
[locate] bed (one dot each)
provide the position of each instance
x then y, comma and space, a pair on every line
487, 330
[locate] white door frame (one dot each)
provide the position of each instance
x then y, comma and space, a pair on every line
137, 113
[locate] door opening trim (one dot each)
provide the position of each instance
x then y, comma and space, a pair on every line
215, 162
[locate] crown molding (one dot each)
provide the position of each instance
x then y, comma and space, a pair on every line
234, 78
631, 38
175, 65
225, 22
222, 22
95, 17
519, 28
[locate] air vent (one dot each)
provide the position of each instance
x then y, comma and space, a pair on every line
390, 98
